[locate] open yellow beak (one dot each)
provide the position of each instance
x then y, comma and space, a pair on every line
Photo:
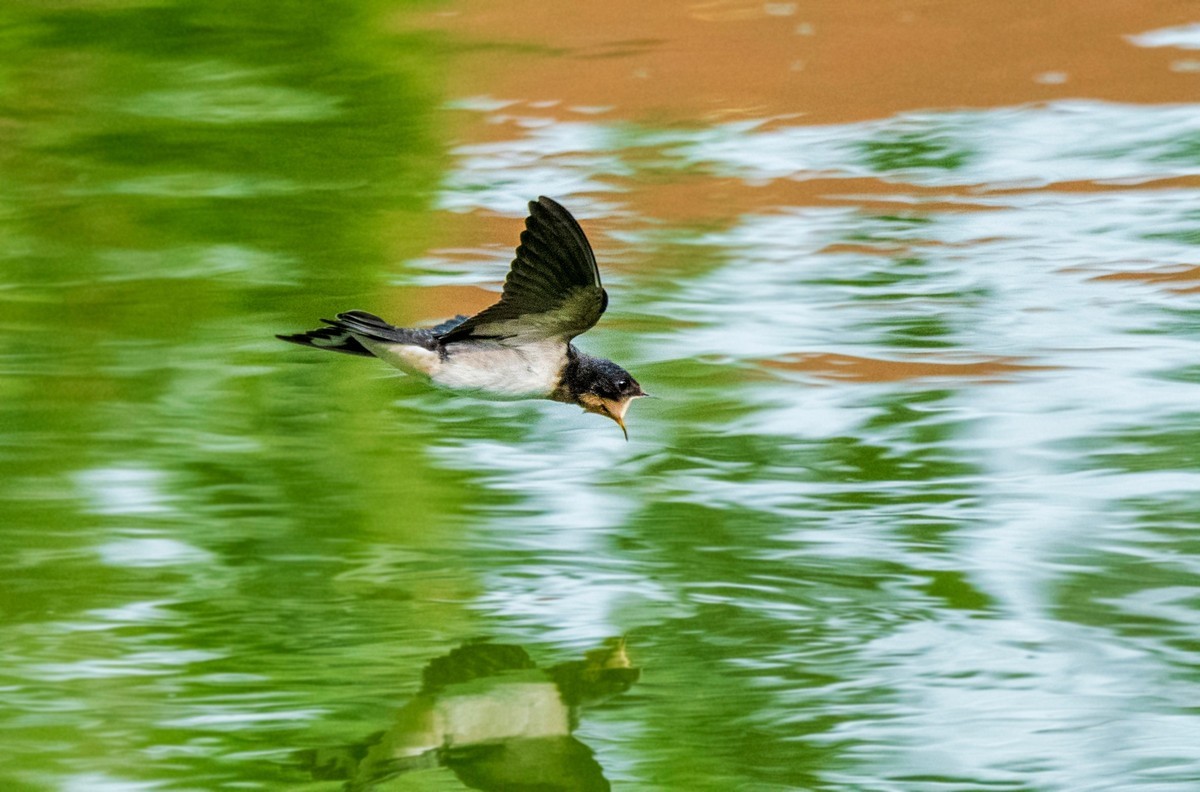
616, 411
611, 408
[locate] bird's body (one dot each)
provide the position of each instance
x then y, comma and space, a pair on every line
487, 369
520, 347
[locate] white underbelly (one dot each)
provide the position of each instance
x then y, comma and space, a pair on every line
409, 358
488, 370
530, 371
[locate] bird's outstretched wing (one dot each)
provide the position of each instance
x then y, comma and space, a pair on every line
553, 290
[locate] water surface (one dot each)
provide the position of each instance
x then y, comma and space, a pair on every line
916, 509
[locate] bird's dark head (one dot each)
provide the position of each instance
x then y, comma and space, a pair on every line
600, 386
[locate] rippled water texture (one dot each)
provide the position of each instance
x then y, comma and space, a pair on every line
917, 284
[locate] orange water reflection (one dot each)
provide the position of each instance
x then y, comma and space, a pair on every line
850, 367
682, 66
1180, 281
824, 61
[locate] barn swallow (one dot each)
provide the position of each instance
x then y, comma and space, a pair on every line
520, 347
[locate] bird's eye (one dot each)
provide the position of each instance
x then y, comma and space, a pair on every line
622, 383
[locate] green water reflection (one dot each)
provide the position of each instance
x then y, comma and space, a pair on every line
486, 712
916, 509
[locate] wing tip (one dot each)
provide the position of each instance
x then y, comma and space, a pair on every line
548, 210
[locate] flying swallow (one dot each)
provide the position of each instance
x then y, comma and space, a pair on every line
520, 347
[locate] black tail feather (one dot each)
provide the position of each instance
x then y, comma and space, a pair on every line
368, 325
334, 339
344, 332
